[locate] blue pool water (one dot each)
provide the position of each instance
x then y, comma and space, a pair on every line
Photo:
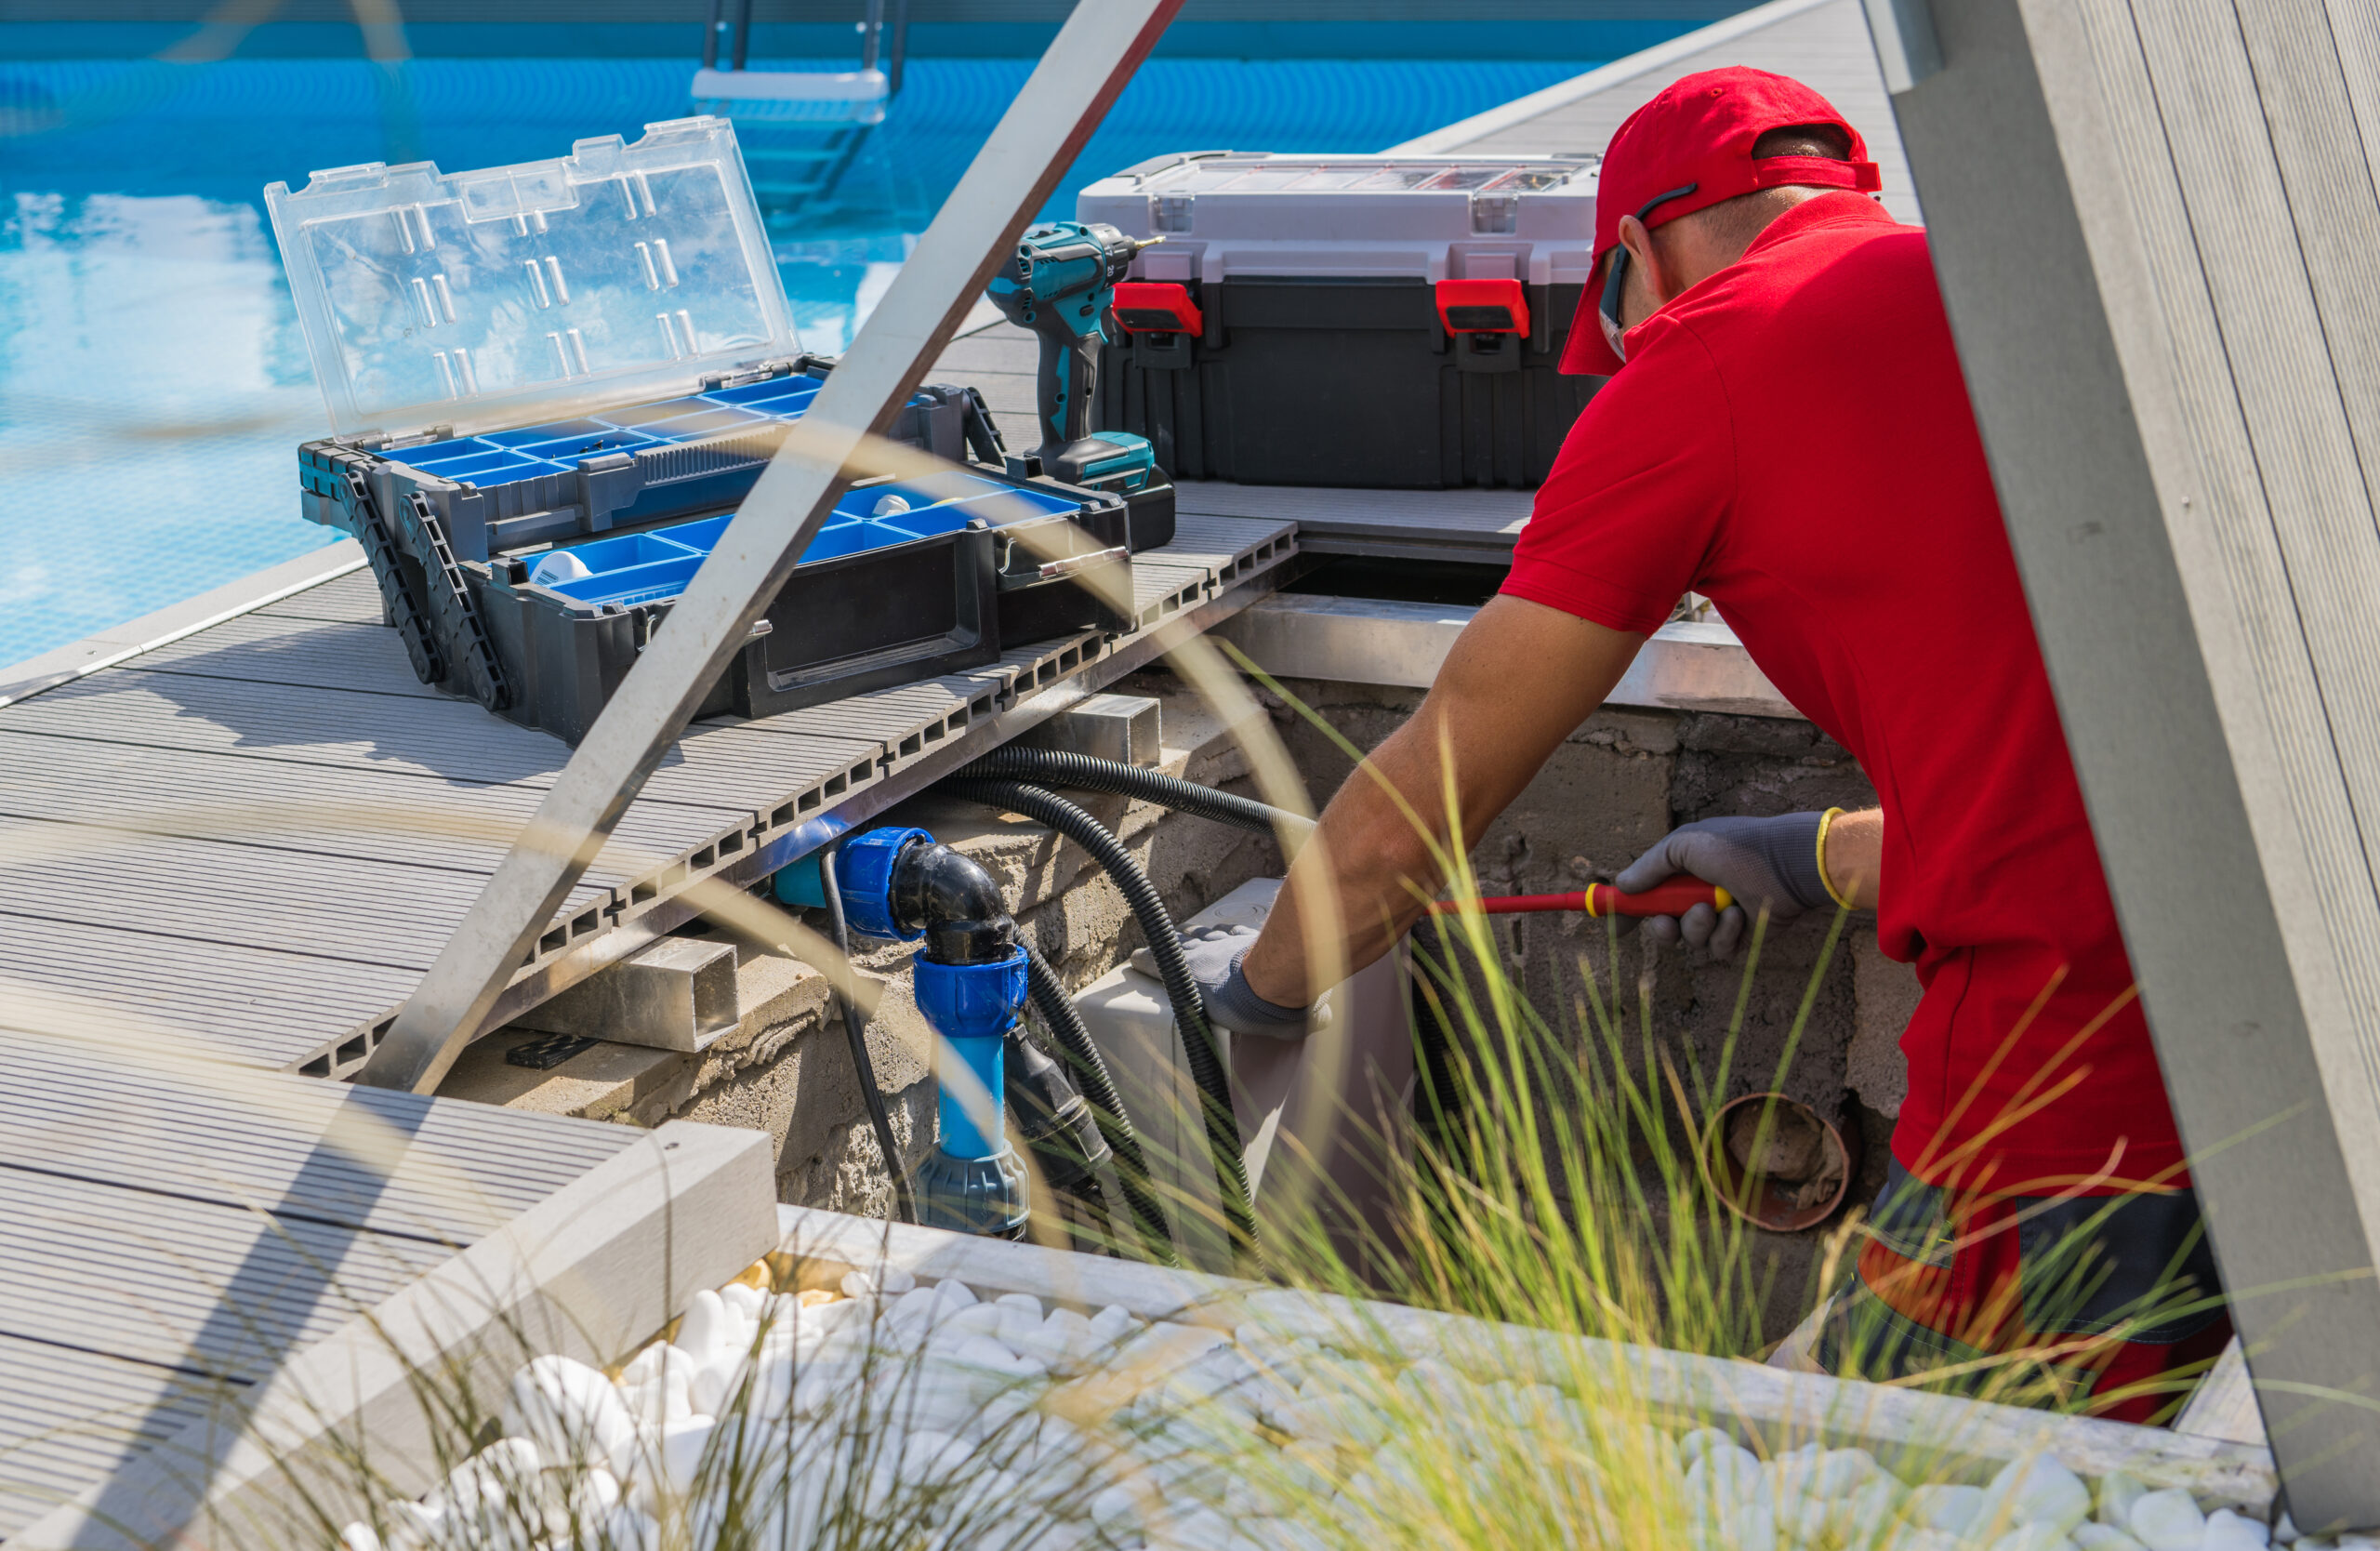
152, 381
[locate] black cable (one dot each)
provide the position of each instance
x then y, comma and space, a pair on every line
1207, 1070
1061, 767
1073, 1040
905, 1207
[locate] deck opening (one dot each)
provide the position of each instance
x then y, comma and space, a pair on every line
553, 941
704, 857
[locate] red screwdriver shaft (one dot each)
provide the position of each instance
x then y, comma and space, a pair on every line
1671, 896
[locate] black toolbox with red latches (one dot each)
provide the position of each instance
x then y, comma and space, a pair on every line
1386, 322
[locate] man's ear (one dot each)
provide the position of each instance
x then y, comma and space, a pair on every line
1646, 267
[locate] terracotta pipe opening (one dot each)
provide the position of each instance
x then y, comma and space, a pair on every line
1777, 1164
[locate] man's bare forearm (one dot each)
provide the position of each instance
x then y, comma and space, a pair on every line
1853, 857
1521, 678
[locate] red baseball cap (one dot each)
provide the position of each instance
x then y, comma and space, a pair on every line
1697, 137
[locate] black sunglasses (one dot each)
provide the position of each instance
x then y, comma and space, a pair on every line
1610, 307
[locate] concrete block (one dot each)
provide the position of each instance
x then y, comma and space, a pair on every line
1122, 727
676, 993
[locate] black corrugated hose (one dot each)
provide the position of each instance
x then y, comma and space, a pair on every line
1197, 1038
1060, 767
1057, 1011
904, 1209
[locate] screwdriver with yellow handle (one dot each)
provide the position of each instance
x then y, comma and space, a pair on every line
1672, 895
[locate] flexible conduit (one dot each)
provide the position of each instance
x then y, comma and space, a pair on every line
905, 1207
1057, 1010
1207, 1071
1058, 767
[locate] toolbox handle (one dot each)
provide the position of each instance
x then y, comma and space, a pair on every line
1071, 565
1498, 306
1157, 307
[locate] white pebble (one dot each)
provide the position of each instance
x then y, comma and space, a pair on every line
1695, 1444
2284, 1529
2118, 1493
1952, 1509
2038, 1535
743, 1298
358, 1537
2037, 1490
680, 1453
1113, 1323
570, 1410
2102, 1537
705, 1327
2227, 1531
2167, 1520
630, 1530
956, 1293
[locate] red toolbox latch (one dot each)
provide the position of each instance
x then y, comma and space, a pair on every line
1157, 307
1476, 306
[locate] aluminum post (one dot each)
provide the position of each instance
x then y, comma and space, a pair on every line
2154, 222
977, 227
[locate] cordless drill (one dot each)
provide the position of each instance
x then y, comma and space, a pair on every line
1059, 284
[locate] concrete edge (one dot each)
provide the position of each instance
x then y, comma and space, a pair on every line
1455, 136
592, 1270
1779, 1407
1693, 665
63, 665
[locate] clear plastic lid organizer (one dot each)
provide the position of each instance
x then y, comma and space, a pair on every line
621, 273
1230, 213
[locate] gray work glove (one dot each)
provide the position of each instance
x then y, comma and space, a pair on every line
1214, 953
1769, 864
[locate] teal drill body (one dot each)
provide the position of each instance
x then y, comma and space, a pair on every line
1059, 284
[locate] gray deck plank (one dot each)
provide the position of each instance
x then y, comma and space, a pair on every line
208, 1289
361, 911
70, 1417
353, 599
384, 814
266, 1006
359, 1157
437, 736
1489, 520
278, 651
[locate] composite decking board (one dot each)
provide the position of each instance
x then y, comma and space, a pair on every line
267, 1007
1490, 519
365, 657
214, 1290
364, 1157
1004, 349
363, 911
438, 736
388, 816
69, 1417
353, 599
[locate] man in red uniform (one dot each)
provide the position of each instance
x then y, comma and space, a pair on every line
1786, 431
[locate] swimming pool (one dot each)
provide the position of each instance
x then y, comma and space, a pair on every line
152, 381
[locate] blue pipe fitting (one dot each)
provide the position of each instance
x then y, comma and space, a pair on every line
973, 1183
972, 1007
864, 867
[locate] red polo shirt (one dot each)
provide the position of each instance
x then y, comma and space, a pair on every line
1792, 437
